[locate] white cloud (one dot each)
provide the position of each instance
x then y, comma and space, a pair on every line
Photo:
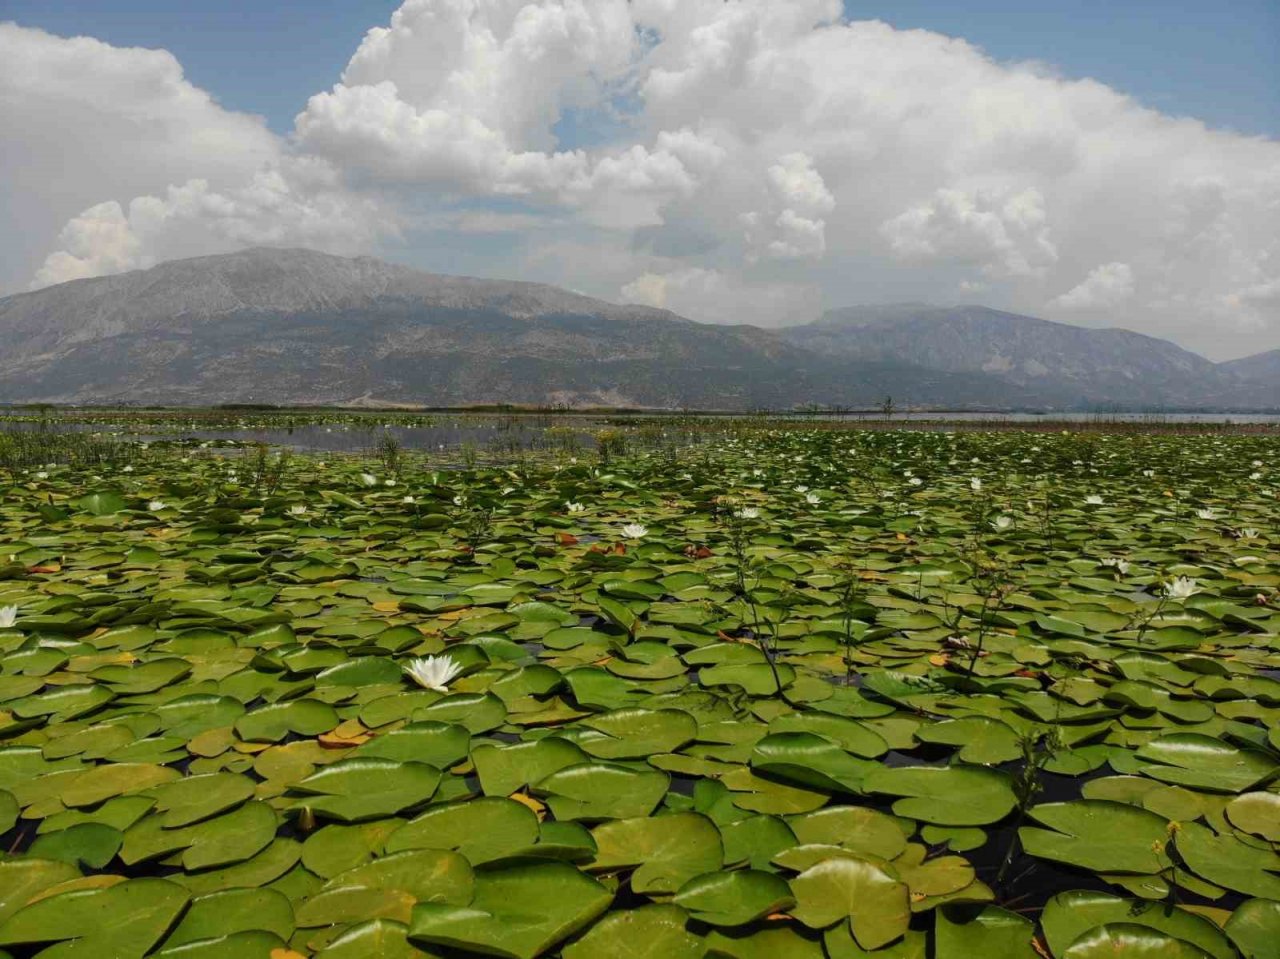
721, 298
291, 203
117, 162
755, 159
1108, 285
1002, 236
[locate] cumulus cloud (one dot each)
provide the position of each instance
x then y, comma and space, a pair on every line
720, 298
117, 162
743, 161
1106, 286
1002, 236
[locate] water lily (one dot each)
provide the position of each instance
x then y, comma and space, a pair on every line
156, 505
297, 509
635, 530
1248, 533
42, 474
368, 479
8, 616
1002, 522
747, 512
1181, 587
408, 500
573, 507
433, 672
1093, 499
1206, 514
801, 488
916, 481
1118, 564
126, 469
975, 484
1148, 473
813, 499
1255, 475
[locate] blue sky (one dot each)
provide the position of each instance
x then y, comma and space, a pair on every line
1219, 61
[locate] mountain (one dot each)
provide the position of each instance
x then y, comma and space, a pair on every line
296, 326
1253, 381
1069, 365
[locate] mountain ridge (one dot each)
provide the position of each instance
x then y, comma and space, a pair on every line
292, 325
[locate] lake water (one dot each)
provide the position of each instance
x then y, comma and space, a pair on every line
511, 434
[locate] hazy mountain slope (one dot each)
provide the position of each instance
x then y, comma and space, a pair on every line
1261, 367
297, 326
1250, 382
1072, 364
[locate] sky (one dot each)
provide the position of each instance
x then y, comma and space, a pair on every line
1101, 163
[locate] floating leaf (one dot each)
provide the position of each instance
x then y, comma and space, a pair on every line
355, 789
519, 911
734, 898
876, 905
946, 795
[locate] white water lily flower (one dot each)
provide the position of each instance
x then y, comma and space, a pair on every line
1248, 533
1115, 562
41, 474
1181, 587
573, 507
1093, 499
801, 488
1002, 522
297, 509
813, 499
433, 672
1256, 464
1255, 476
635, 530
368, 479
916, 481
156, 505
1148, 473
126, 469
389, 482
975, 484
408, 499
747, 512
459, 500
8, 616
1206, 514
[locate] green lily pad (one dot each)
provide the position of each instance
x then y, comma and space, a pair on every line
518, 911
874, 903
665, 851
734, 898
946, 795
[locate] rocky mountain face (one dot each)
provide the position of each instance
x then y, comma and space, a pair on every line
1069, 365
295, 326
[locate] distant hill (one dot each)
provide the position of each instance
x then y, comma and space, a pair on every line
1070, 365
295, 326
